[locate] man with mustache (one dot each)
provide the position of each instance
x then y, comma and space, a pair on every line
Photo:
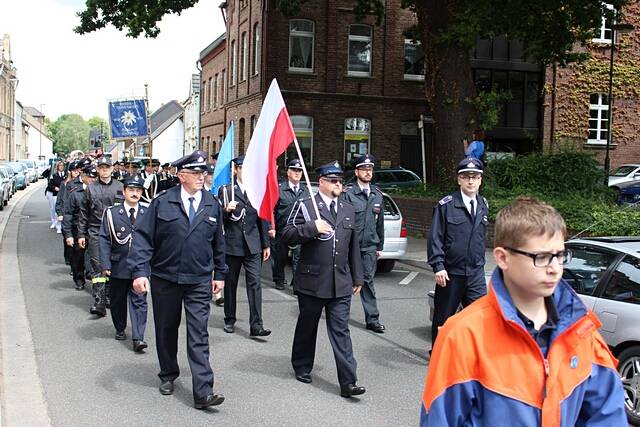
116, 230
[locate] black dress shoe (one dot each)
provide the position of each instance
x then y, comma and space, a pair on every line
261, 332
351, 390
98, 310
229, 329
139, 345
220, 302
121, 336
376, 327
280, 286
79, 286
304, 378
166, 388
210, 400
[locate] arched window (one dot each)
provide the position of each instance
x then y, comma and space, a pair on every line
256, 50
241, 127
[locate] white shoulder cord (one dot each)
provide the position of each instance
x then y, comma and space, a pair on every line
112, 229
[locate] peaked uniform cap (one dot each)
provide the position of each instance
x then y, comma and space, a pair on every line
133, 181
295, 164
365, 160
470, 164
196, 161
332, 168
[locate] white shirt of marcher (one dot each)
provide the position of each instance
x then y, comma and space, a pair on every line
466, 199
127, 209
185, 199
293, 187
367, 187
328, 200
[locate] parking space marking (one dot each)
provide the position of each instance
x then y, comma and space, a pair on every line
409, 278
399, 271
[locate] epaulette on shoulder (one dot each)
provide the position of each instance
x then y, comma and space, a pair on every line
486, 203
144, 204
162, 193
445, 200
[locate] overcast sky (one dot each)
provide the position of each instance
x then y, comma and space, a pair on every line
69, 73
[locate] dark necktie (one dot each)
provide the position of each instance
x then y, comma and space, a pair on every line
192, 210
132, 215
295, 190
332, 209
365, 191
473, 211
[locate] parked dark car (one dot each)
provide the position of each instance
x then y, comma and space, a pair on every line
389, 179
605, 272
629, 193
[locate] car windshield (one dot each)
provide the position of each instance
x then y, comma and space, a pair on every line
17, 167
624, 170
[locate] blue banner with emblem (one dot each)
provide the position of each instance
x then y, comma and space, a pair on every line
128, 119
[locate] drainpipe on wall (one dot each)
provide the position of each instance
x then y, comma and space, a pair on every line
199, 68
552, 128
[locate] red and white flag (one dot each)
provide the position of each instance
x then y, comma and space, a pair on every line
271, 137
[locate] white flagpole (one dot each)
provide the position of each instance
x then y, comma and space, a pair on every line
233, 168
306, 178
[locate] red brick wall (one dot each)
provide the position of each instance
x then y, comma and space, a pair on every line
212, 118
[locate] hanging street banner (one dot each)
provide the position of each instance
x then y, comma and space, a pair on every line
128, 119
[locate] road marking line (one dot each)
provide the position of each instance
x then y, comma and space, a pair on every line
399, 271
409, 278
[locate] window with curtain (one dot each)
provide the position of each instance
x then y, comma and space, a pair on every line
301, 41
360, 50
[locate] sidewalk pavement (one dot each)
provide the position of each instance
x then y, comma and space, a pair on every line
416, 255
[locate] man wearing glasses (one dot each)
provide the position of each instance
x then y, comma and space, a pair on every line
329, 272
456, 245
179, 244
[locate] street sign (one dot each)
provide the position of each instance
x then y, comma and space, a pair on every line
128, 119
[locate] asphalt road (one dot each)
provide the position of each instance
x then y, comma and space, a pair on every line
88, 378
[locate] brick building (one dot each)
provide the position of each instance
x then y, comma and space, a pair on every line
350, 87
576, 101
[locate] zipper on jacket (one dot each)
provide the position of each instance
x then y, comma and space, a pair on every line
545, 362
546, 377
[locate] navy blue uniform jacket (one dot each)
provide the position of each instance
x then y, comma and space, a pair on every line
113, 256
166, 245
327, 268
456, 242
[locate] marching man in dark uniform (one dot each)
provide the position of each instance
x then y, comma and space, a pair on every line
115, 240
369, 205
179, 243
247, 244
71, 181
74, 200
328, 274
150, 178
291, 191
456, 245
101, 194
118, 172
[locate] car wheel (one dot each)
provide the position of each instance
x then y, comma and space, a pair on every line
629, 369
385, 265
6, 202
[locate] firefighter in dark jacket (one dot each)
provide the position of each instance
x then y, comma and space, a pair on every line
329, 272
368, 203
456, 245
72, 180
179, 243
247, 245
292, 190
74, 200
116, 232
104, 192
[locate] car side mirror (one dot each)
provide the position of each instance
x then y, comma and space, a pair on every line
636, 175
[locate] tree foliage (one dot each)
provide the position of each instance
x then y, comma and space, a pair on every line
71, 132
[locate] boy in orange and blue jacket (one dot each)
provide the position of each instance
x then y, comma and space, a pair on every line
529, 352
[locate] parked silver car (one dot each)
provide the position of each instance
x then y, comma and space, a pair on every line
605, 272
8, 182
32, 172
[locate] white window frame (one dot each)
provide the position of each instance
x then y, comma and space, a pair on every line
354, 38
303, 34
357, 133
603, 27
234, 62
244, 55
297, 129
256, 50
419, 77
203, 94
599, 107
214, 91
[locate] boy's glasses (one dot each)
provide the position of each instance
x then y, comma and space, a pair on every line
544, 259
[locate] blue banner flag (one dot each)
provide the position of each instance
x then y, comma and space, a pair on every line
128, 119
222, 173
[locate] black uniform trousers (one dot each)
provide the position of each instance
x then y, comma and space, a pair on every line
279, 255
68, 250
252, 264
337, 312
368, 292
459, 290
77, 262
168, 299
122, 295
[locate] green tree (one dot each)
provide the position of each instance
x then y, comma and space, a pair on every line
448, 29
69, 132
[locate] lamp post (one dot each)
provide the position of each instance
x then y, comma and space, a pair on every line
620, 28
